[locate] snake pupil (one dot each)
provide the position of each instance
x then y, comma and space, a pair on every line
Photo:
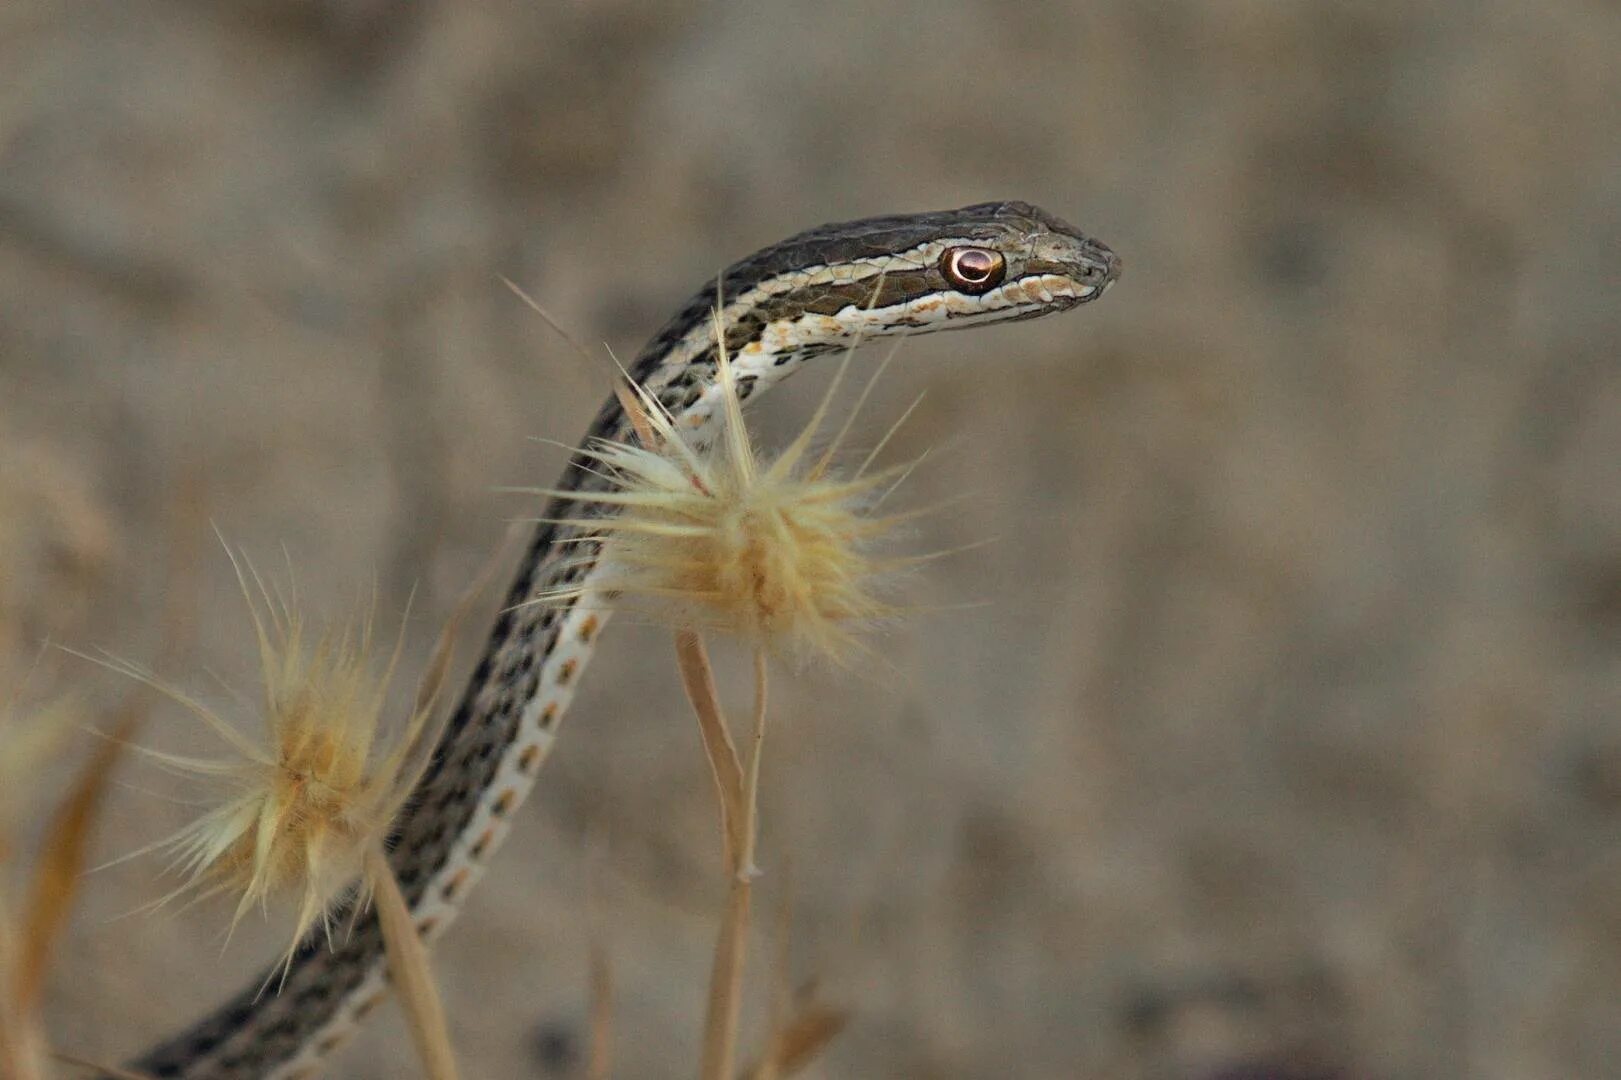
973, 270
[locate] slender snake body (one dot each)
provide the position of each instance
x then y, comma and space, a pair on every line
821, 290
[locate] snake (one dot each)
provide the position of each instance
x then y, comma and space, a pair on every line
829, 288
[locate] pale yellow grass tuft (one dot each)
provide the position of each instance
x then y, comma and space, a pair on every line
715, 536
299, 806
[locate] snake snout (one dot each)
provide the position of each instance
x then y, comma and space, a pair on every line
1103, 265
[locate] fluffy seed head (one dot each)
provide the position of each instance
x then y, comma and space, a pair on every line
298, 807
715, 536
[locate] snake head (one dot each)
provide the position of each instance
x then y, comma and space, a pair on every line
916, 273
835, 286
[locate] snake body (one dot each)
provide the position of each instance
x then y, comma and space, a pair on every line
824, 289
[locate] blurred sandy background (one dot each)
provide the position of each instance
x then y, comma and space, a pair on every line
1290, 736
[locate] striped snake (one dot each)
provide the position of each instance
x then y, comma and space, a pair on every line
821, 290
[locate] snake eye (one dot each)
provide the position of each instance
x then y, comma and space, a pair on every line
973, 270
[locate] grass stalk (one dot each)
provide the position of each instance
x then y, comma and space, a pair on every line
408, 966
738, 787
599, 1064
698, 677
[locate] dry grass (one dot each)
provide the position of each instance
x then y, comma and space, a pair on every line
30, 931
413, 978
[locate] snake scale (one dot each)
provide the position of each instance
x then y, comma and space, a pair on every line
825, 289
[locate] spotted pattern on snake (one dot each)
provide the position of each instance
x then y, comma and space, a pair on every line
829, 288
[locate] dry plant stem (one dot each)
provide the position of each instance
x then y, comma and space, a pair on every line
745, 868
25, 953
699, 679
111, 1071
599, 1066
21, 1049
408, 966
799, 1042
21, 1040
61, 867
726, 984
767, 1068
739, 796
